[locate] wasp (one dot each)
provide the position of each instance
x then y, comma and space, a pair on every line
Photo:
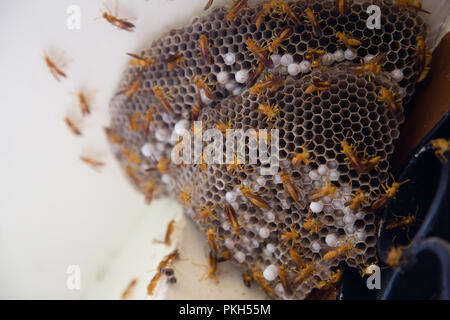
133, 88
238, 6
270, 83
347, 40
259, 279
423, 58
341, 250
342, 6
95, 164
441, 146
112, 18
142, 62
284, 8
170, 258
276, 42
371, 68
127, 292
203, 45
289, 186
402, 222
395, 257
335, 278
148, 118
185, 196
312, 225
162, 166
312, 20
390, 193
83, 103
315, 56
393, 103
131, 173
131, 156
247, 278
305, 272
352, 157
54, 69
266, 8
251, 196
369, 164
163, 98
201, 84
270, 111
212, 264
149, 190
410, 4
296, 258
255, 74
317, 85
133, 123
290, 235
206, 213
260, 53
72, 126
208, 5
169, 231
328, 190
112, 135
286, 282
303, 157
174, 60
359, 199
231, 216
211, 238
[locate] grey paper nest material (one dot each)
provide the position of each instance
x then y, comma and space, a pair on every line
348, 108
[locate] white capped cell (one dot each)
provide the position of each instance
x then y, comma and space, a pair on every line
314, 175
279, 289
349, 219
286, 60
230, 85
239, 256
181, 126
261, 181
226, 226
241, 76
332, 164
223, 77
328, 59
270, 247
397, 75
238, 90
337, 204
315, 246
339, 55
316, 207
368, 58
167, 117
360, 235
161, 147
333, 175
326, 200
270, 273
349, 229
264, 233
166, 178
322, 170
229, 59
349, 54
305, 66
294, 69
229, 243
230, 196
360, 215
162, 135
331, 240
147, 150
269, 216
276, 60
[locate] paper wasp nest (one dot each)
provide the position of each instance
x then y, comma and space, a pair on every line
348, 107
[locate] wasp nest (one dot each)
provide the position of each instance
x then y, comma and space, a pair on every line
297, 233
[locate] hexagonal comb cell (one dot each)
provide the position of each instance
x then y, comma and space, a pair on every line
298, 224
